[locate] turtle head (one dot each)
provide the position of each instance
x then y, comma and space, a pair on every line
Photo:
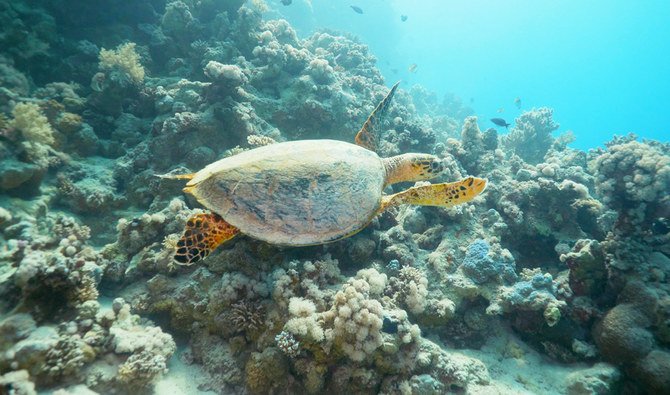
437, 165
413, 167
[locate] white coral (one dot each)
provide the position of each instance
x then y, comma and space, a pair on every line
228, 74
376, 280
303, 322
321, 71
357, 320
34, 126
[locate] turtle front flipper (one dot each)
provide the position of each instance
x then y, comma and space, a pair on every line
443, 195
202, 234
368, 136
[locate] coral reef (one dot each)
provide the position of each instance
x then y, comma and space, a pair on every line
531, 138
565, 258
121, 64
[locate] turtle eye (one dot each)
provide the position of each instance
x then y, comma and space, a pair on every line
436, 165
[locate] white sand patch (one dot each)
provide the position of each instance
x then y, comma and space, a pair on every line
182, 379
515, 368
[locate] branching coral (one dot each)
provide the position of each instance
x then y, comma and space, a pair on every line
149, 349
227, 75
634, 178
409, 289
287, 343
34, 126
356, 321
303, 322
122, 63
530, 138
246, 316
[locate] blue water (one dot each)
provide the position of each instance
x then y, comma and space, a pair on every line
602, 65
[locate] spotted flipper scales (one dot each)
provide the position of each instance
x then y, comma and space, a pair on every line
368, 136
442, 195
202, 234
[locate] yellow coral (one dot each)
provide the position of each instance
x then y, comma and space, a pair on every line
124, 59
33, 125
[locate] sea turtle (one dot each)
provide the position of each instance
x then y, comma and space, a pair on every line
309, 192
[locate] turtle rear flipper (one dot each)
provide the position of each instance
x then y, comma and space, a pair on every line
202, 234
368, 136
442, 195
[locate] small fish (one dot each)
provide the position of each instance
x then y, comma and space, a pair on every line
403, 18
356, 9
500, 122
412, 68
517, 102
395, 71
501, 110
286, 2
